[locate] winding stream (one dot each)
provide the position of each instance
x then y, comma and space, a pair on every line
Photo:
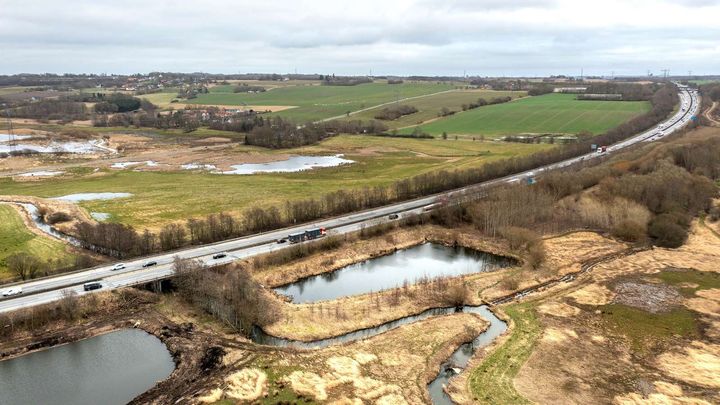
411, 265
34, 213
448, 369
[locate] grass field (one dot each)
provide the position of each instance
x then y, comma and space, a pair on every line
551, 113
430, 106
15, 238
492, 381
379, 161
315, 102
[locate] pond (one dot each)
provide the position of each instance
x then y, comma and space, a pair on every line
8, 137
293, 164
52, 147
108, 369
91, 196
425, 261
41, 173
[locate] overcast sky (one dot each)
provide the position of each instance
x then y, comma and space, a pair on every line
401, 37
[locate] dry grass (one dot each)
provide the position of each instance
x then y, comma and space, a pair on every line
582, 358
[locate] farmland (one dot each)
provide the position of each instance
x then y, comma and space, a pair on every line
430, 106
315, 102
15, 238
378, 161
551, 113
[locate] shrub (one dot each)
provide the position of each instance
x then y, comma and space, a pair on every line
667, 232
629, 230
57, 217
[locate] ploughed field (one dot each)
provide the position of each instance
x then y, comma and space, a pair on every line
550, 113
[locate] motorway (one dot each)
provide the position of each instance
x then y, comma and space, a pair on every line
49, 289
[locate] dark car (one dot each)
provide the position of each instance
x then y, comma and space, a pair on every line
150, 263
393, 216
219, 255
282, 240
93, 285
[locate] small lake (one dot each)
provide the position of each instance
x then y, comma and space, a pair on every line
91, 196
41, 173
106, 369
8, 137
294, 164
427, 260
53, 147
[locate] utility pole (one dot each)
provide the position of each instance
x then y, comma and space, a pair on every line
581, 74
11, 135
665, 73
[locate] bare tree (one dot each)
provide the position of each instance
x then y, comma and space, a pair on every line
23, 264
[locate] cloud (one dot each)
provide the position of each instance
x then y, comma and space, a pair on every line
487, 37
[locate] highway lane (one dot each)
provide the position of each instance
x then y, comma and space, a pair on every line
49, 289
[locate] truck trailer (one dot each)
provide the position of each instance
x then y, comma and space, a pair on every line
308, 234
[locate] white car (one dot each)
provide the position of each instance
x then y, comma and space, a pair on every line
118, 266
12, 291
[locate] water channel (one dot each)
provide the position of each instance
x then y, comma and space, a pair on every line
427, 260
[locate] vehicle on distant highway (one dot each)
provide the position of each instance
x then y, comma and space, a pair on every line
92, 285
393, 216
150, 263
306, 235
118, 266
219, 255
12, 291
282, 240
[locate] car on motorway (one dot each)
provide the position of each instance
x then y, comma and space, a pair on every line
219, 255
282, 240
150, 263
393, 216
92, 285
12, 291
118, 266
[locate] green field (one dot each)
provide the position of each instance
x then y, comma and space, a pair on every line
315, 102
551, 113
430, 106
492, 381
15, 238
379, 161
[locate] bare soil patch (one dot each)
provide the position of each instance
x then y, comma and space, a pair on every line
653, 298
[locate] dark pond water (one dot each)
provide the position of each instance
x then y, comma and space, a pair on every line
428, 260
108, 369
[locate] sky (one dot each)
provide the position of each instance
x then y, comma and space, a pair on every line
389, 37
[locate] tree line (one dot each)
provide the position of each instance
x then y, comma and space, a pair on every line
394, 112
481, 102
